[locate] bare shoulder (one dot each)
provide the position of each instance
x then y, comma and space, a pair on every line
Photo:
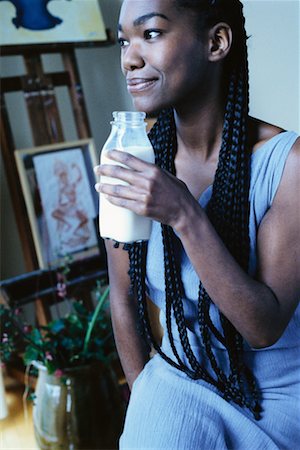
278, 244
286, 202
289, 187
260, 132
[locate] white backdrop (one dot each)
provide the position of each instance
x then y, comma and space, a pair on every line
274, 60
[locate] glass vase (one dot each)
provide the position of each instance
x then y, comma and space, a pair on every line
81, 410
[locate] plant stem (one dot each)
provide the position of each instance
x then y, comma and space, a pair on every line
94, 318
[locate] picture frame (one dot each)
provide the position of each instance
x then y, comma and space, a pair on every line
57, 181
50, 25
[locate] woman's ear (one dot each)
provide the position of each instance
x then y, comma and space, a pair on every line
220, 40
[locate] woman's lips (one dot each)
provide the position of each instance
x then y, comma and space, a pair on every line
135, 85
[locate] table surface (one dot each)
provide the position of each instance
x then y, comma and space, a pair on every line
16, 432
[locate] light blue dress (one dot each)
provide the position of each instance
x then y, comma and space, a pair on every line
167, 409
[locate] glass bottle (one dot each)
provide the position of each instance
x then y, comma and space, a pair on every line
128, 133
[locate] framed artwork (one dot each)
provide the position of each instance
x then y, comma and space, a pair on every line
50, 24
58, 185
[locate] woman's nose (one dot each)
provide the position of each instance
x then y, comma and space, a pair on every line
132, 58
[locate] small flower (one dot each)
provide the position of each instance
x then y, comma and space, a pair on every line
49, 357
58, 373
27, 328
17, 311
60, 277
61, 289
5, 338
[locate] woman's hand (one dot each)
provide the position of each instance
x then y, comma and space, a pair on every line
150, 191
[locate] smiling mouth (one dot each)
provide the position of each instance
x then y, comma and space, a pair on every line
136, 85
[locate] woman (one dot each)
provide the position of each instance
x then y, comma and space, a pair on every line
222, 262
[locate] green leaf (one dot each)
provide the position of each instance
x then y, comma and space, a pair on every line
51, 366
32, 354
36, 337
80, 308
57, 325
94, 318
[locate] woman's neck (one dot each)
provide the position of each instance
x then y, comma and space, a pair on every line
199, 128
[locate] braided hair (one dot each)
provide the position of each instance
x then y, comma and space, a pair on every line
228, 211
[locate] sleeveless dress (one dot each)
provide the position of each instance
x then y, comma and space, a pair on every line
169, 410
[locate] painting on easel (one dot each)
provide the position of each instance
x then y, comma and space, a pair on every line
30, 22
57, 182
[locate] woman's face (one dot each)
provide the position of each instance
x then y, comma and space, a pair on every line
162, 57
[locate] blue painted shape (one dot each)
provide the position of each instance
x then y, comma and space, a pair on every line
34, 15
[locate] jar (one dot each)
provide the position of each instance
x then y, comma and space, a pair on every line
128, 134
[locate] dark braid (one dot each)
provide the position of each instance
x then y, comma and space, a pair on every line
228, 211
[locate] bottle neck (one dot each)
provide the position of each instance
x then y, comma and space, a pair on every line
129, 118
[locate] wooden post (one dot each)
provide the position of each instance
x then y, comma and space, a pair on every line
76, 94
41, 103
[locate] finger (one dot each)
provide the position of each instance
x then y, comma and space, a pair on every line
133, 205
128, 160
96, 170
121, 173
122, 202
120, 191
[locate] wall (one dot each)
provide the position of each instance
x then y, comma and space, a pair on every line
274, 60
274, 81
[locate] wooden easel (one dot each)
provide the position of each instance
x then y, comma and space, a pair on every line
38, 89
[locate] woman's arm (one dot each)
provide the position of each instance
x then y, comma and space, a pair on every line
259, 309
130, 345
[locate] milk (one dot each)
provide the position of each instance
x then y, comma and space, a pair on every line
115, 222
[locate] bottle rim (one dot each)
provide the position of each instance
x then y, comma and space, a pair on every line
129, 116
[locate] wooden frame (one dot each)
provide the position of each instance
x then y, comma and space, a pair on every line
54, 27
58, 186
40, 287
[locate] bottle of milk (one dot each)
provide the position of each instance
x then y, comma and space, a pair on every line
128, 133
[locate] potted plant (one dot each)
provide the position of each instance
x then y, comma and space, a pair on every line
77, 402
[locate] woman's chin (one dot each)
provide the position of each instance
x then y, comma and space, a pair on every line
151, 109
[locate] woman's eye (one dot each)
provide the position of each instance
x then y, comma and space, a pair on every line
122, 42
151, 34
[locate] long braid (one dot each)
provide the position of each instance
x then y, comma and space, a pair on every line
137, 257
172, 277
234, 219
137, 254
228, 211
